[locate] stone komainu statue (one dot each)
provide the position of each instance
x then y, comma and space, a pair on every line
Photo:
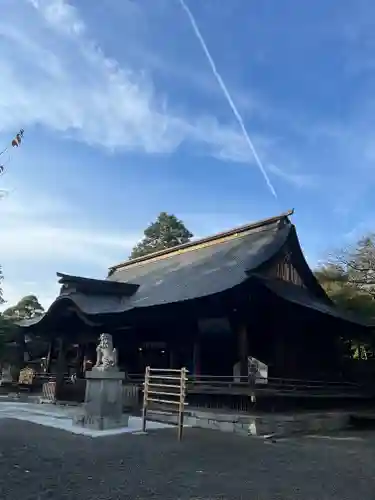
106, 354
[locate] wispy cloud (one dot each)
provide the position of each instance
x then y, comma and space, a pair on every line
41, 235
61, 79
35, 227
75, 88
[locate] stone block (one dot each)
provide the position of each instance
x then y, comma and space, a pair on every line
191, 421
204, 423
253, 428
100, 423
242, 429
315, 425
214, 424
130, 396
242, 420
103, 397
172, 419
262, 427
104, 375
226, 426
6, 376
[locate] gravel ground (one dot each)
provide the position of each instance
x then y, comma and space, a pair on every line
38, 462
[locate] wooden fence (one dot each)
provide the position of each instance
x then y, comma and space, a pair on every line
233, 385
285, 386
165, 388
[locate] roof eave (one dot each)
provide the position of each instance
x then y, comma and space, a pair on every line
104, 287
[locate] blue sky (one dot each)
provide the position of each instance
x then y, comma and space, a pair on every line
124, 118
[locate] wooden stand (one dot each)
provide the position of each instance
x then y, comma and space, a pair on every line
165, 388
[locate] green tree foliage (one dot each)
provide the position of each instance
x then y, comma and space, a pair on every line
349, 280
349, 277
8, 333
27, 308
14, 342
166, 232
344, 293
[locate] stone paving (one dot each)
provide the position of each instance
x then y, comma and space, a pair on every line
61, 417
39, 462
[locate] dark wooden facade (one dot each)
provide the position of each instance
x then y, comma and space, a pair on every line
276, 311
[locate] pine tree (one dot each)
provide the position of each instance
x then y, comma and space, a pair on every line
166, 232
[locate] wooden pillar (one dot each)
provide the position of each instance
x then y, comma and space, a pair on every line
196, 358
21, 352
49, 356
243, 348
61, 364
239, 327
172, 357
82, 360
279, 354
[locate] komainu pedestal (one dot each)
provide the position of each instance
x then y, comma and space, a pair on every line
104, 393
103, 401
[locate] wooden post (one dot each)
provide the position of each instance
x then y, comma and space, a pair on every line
145, 398
181, 408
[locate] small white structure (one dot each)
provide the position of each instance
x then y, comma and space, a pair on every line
104, 392
106, 354
258, 370
6, 375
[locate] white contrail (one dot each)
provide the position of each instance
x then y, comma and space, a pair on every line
227, 96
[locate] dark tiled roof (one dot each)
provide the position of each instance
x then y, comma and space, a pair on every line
198, 269
95, 286
204, 269
198, 243
191, 271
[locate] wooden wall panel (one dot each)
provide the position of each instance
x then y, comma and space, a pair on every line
283, 269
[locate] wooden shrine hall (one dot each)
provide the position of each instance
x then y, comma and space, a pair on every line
206, 305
